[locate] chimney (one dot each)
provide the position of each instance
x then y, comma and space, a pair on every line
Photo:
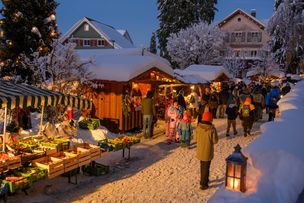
253, 13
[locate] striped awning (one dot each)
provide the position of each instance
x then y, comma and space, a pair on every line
22, 95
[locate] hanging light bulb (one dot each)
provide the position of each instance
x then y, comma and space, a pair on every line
1, 22
53, 33
36, 31
52, 17
9, 43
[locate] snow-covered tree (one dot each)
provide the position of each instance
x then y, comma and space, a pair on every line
60, 70
152, 48
286, 30
27, 27
176, 15
235, 66
198, 44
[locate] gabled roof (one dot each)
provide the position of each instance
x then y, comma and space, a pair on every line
107, 31
201, 72
122, 64
241, 12
126, 34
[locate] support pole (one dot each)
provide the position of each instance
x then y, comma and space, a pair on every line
41, 118
4, 129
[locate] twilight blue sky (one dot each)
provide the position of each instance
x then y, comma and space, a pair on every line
139, 17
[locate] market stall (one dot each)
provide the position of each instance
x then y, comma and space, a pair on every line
126, 76
35, 157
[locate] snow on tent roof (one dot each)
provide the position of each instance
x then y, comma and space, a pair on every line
122, 64
112, 34
205, 72
277, 73
190, 79
252, 73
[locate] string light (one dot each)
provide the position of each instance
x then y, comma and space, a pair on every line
9, 43
36, 31
53, 33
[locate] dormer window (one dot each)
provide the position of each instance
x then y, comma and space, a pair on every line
86, 27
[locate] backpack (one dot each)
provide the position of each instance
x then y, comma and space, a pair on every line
192, 99
273, 101
245, 111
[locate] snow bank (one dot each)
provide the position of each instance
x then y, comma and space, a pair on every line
276, 159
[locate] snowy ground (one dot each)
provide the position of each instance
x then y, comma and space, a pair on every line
157, 172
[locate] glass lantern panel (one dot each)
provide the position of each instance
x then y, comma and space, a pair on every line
238, 169
230, 169
233, 183
237, 184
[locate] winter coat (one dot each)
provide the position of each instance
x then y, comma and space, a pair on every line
232, 112
258, 99
213, 101
251, 113
181, 101
223, 97
205, 136
148, 107
184, 129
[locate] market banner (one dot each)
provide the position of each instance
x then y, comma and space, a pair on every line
23, 95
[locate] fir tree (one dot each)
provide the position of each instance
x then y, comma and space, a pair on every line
27, 26
177, 15
153, 44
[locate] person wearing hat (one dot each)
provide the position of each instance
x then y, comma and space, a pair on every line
205, 136
246, 114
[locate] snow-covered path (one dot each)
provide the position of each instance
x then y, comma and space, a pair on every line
157, 172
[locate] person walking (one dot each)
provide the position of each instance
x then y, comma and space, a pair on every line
174, 114
246, 113
148, 111
205, 136
232, 113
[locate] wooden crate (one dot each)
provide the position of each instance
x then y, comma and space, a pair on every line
48, 150
83, 155
14, 163
95, 151
70, 161
53, 165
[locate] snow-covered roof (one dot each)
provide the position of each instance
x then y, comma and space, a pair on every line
122, 64
204, 72
294, 77
107, 31
252, 73
277, 73
237, 11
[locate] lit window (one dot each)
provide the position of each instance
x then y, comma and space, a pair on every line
86, 42
86, 27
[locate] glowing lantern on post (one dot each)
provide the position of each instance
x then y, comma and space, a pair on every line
236, 170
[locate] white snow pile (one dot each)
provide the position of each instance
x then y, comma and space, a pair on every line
276, 158
200, 73
122, 64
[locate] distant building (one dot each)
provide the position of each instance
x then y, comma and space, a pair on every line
88, 33
245, 36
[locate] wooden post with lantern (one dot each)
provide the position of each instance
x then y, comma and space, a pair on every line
236, 166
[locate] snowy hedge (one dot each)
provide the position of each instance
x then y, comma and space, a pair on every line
276, 158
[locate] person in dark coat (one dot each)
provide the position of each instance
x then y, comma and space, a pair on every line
181, 100
286, 89
223, 101
232, 113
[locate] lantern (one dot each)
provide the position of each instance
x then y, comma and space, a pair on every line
236, 170
69, 113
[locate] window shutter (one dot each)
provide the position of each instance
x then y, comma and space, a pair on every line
80, 42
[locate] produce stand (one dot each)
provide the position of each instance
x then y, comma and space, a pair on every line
119, 143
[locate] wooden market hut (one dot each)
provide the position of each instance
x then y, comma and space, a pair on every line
120, 75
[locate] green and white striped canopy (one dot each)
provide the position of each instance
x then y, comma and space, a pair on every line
22, 95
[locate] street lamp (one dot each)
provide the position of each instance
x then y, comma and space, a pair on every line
236, 165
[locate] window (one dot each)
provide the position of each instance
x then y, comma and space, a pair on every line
226, 38
253, 53
239, 19
86, 42
86, 27
254, 36
101, 43
238, 37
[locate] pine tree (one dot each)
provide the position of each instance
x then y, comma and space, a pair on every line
177, 15
27, 26
153, 44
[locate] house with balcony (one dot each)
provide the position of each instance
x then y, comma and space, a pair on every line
88, 33
245, 37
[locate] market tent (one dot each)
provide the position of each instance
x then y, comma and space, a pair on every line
22, 95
